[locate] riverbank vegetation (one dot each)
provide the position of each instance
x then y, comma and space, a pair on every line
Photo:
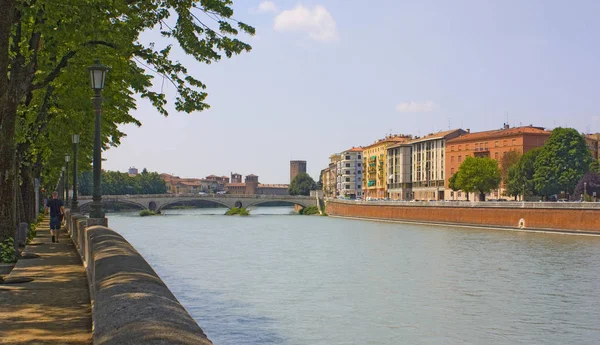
309, 211
237, 211
146, 213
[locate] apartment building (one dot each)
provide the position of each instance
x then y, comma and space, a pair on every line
375, 177
493, 144
428, 164
399, 166
349, 173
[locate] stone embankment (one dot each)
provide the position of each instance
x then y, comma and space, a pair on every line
536, 216
130, 303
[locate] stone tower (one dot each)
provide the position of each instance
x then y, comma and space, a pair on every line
251, 184
296, 167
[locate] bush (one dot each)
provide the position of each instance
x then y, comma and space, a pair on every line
145, 213
7, 251
308, 211
237, 212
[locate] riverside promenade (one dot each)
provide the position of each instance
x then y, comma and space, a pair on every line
53, 308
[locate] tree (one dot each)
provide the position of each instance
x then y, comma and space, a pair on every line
520, 175
478, 175
592, 185
452, 183
44, 50
302, 184
508, 160
561, 162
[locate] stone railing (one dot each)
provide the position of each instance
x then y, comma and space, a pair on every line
475, 204
130, 303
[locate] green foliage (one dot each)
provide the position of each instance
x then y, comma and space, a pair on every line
310, 210
509, 159
146, 213
561, 162
520, 175
7, 251
118, 183
478, 175
452, 182
235, 211
302, 184
588, 185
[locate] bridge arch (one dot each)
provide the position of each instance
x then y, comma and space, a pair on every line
287, 202
179, 200
86, 207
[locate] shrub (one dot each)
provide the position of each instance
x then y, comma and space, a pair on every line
7, 251
145, 213
308, 211
237, 212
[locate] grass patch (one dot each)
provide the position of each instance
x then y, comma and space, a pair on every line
146, 213
237, 212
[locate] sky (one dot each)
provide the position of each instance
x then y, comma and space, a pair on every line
324, 76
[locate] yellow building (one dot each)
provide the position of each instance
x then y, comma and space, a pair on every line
375, 166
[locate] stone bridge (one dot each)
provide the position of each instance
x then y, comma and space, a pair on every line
156, 202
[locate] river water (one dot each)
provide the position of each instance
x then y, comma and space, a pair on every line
277, 278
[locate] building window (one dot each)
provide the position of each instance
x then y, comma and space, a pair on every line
347, 179
347, 165
347, 172
496, 156
452, 148
466, 146
358, 172
347, 158
452, 171
347, 186
359, 157
451, 159
459, 159
496, 143
459, 147
476, 146
359, 164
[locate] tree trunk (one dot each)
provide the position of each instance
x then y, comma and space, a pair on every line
8, 113
27, 194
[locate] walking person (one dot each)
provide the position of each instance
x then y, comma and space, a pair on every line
57, 210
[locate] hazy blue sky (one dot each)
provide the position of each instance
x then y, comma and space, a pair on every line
330, 74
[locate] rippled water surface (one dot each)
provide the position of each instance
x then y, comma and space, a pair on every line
276, 278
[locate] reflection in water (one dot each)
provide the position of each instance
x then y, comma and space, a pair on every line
281, 279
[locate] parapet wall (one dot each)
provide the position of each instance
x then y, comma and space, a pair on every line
536, 216
130, 303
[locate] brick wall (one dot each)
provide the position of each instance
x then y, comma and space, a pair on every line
584, 220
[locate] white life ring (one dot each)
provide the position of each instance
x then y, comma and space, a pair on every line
521, 223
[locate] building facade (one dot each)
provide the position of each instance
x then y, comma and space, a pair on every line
428, 164
349, 174
399, 171
297, 167
375, 169
329, 180
493, 144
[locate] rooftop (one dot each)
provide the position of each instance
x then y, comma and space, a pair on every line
438, 135
499, 133
398, 138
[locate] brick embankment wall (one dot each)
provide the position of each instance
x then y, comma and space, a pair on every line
131, 304
562, 219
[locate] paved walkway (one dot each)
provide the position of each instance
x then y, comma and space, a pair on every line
54, 308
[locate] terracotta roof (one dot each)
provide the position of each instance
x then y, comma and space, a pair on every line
396, 138
355, 149
407, 144
499, 133
438, 135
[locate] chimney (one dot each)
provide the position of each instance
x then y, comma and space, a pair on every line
468, 130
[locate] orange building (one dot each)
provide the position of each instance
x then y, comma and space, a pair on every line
374, 174
493, 144
592, 142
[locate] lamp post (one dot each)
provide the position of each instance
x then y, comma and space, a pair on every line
62, 175
584, 190
97, 75
74, 203
67, 160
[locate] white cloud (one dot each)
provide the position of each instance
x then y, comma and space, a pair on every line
317, 22
266, 6
414, 107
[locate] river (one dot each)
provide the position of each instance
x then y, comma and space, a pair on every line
276, 278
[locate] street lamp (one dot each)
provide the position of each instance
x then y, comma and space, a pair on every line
584, 190
62, 175
97, 76
67, 160
74, 205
